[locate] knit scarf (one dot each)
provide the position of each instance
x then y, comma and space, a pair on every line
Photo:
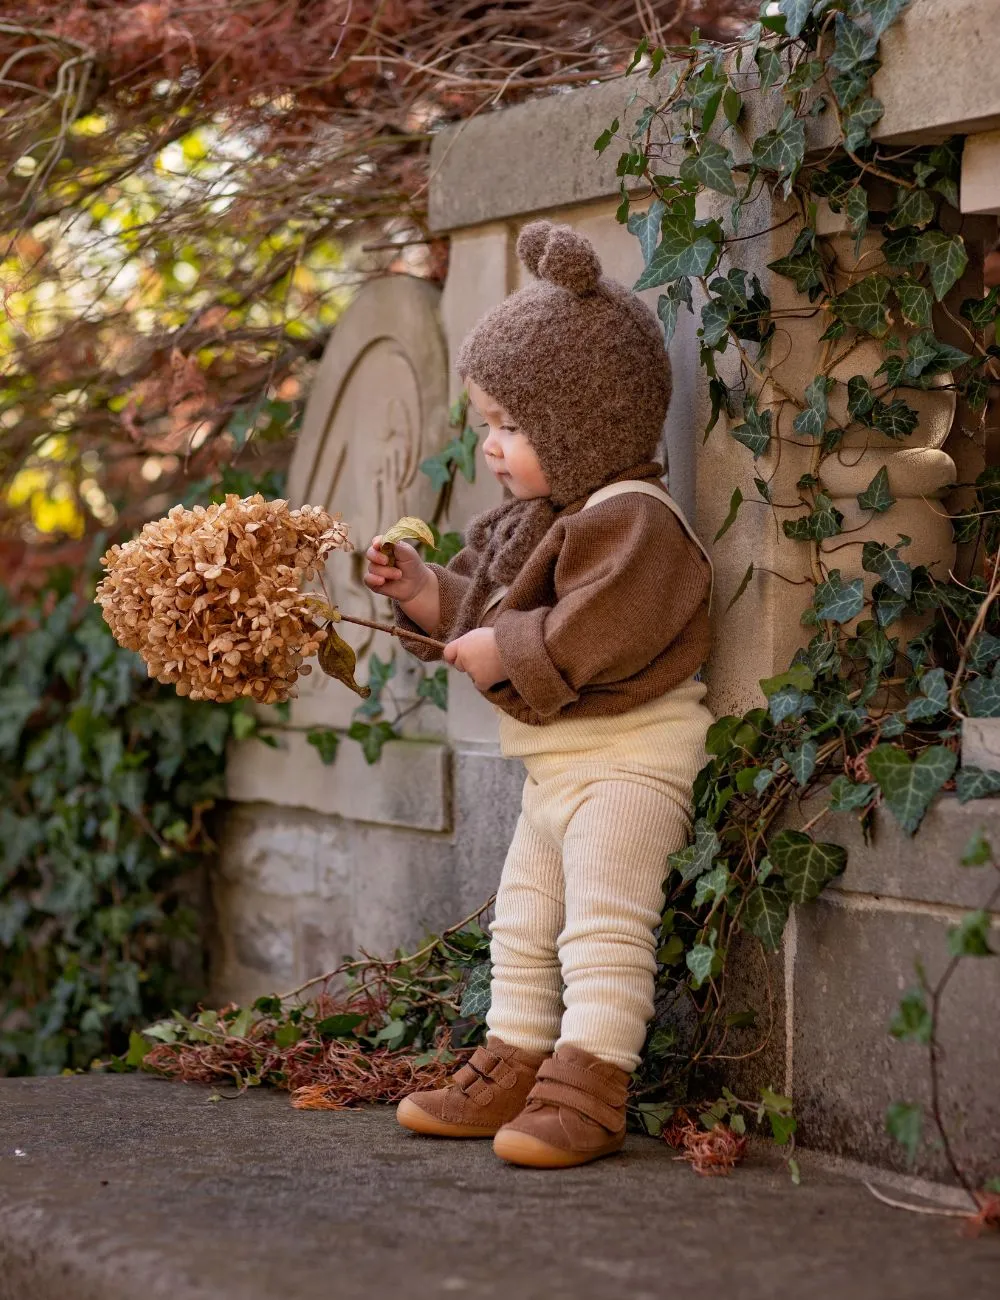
505, 538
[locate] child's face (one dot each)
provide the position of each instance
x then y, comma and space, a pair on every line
510, 457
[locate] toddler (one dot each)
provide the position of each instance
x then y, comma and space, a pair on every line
579, 608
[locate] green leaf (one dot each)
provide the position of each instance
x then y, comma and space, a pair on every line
837, 601
927, 355
812, 420
242, 724
895, 419
435, 688
847, 795
913, 208
766, 913
325, 741
804, 269
853, 45
883, 13
787, 703
668, 305
978, 851
735, 501
713, 884
684, 249
769, 65
912, 1022
782, 149
877, 495
138, 1049
476, 994
884, 560
697, 858
904, 1121
946, 259
915, 301
715, 319
970, 938
744, 583
824, 521
865, 305
975, 783
849, 86
732, 105
372, 737
932, 701
858, 122
755, 431
606, 136
699, 961
982, 312
796, 15
805, 865
908, 787
654, 1114
646, 228
856, 211
713, 166
798, 676
860, 398
982, 695
983, 652
802, 761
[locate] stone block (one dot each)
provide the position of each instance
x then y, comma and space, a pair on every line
487, 805
981, 173
410, 785
256, 933
851, 964
981, 743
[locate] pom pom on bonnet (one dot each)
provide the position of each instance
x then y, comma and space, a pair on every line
577, 360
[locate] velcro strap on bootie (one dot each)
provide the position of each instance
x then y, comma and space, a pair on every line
600, 1099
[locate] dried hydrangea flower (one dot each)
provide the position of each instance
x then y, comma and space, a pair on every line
212, 598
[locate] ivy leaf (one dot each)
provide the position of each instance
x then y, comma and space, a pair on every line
646, 228
847, 795
895, 419
860, 398
715, 319
946, 259
927, 355
372, 737
837, 601
799, 676
744, 583
856, 211
904, 1121
915, 301
884, 561
865, 305
769, 65
982, 312
788, 702
683, 250
978, 850
813, 418
697, 857
765, 914
877, 495
853, 45
606, 136
883, 13
755, 431
802, 761
325, 741
912, 1021
908, 787
713, 884
982, 695
976, 392
476, 994
804, 269
668, 305
932, 701
850, 85
824, 521
782, 149
970, 938
700, 959
984, 651
735, 501
805, 865
975, 783
796, 15
913, 208
435, 688
858, 122
713, 166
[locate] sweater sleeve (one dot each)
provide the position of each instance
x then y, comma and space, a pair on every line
628, 581
453, 582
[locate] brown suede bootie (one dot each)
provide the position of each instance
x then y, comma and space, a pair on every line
575, 1114
488, 1091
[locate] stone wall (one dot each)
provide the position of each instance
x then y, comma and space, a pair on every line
318, 861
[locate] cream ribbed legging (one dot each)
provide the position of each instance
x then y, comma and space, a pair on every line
573, 943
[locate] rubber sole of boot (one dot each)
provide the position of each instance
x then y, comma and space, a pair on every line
417, 1120
522, 1149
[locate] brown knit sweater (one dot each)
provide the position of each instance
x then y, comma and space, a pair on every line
610, 611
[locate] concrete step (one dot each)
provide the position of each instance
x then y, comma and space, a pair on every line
131, 1188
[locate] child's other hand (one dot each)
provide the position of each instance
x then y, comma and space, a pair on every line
476, 653
401, 581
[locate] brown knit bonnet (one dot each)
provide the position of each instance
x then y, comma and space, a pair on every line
578, 361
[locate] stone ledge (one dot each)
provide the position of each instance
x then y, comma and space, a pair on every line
409, 786
981, 743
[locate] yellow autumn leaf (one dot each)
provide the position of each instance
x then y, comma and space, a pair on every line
409, 528
338, 660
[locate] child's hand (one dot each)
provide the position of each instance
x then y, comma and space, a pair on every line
476, 653
401, 581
